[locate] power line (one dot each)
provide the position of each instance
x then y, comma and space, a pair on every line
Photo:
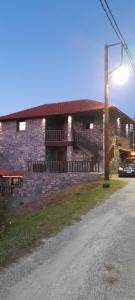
115, 23
117, 30
121, 35
110, 20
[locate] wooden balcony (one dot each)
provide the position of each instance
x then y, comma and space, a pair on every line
56, 138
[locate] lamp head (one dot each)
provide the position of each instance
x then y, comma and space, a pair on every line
121, 75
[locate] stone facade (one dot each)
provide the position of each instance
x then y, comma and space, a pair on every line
119, 131
94, 135
16, 147
38, 185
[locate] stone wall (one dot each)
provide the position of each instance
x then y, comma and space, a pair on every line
16, 147
79, 155
94, 135
120, 132
37, 185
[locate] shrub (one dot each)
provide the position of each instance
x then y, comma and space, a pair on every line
116, 161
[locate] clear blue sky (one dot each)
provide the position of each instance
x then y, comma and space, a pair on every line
53, 51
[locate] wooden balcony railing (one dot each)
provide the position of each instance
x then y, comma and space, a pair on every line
63, 166
6, 189
55, 135
16, 181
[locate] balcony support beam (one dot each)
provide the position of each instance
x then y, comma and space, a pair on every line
70, 139
43, 125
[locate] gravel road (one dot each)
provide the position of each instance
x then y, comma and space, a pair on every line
93, 259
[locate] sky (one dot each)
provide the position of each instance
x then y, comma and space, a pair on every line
52, 51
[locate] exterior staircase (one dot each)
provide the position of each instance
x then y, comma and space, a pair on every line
82, 141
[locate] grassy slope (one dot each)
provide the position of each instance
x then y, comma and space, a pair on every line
25, 232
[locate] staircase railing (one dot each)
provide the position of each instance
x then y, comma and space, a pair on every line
83, 139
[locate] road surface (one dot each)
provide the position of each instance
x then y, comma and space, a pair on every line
93, 259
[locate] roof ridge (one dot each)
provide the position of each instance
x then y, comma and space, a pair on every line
51, 104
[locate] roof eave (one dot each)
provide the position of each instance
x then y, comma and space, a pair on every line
132, 121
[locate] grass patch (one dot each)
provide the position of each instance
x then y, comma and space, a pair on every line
25, 232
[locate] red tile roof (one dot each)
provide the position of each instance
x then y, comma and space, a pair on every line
10, 173
62, 108
52, 109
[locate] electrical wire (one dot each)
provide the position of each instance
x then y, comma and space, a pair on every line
120, 33
117, 30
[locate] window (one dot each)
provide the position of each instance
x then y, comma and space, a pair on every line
91, 125
21, 126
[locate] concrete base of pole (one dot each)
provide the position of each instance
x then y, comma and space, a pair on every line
106, 185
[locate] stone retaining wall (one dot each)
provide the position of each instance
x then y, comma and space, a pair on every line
42, 185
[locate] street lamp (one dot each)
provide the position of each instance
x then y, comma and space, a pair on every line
120, 76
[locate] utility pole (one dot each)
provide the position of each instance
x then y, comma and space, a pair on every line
106, 115
106, 108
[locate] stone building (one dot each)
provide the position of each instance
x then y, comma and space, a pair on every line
66, 131
61, 137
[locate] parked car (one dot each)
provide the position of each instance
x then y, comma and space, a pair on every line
127, 168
